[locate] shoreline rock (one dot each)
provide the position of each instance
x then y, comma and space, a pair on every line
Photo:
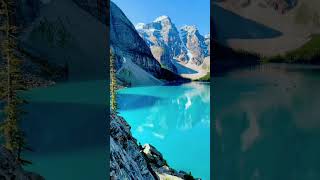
160, 166
130, 160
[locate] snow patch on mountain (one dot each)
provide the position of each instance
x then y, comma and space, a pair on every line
189, 54
190, 29
161, 18
140, 25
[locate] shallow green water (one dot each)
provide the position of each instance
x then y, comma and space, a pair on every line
65, 127
174, 119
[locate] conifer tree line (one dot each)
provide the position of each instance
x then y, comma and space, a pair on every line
113, 84
12, 83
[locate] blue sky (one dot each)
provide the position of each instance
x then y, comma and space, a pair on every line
181, 12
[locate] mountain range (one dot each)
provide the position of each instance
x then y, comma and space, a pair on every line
183, 51
148, 52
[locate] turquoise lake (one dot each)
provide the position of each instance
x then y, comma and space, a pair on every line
173, 118
66, 128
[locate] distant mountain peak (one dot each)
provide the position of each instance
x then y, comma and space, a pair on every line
140, 26
162, 18
190, 29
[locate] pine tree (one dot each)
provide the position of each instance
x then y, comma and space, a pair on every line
113, 84
11, 82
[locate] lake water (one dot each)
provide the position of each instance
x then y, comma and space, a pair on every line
174, 119
65, 127
267, 123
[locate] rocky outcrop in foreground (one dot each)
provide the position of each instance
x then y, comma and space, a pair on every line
11, 169
128, 160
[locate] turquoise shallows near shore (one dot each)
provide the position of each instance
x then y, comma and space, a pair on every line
175, 119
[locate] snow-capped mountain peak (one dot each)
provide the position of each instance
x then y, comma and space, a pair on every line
140, 26
162, 18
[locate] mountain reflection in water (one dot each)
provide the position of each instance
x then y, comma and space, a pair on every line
267, 123
175, 119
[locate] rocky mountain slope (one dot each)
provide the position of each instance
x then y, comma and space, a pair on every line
181, 51
163, 39
129, 160
62, 40
66, 34
195, 43
127, 53
128, 47
37, 70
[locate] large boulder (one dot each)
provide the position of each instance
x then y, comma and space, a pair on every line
153, 155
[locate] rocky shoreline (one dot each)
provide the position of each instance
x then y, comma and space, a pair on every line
130, 160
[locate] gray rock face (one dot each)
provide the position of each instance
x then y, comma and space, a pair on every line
127, 44
195, 43
159, 164
128, 160
11, 169
207, 41
169, 44
153, 155
162, 37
